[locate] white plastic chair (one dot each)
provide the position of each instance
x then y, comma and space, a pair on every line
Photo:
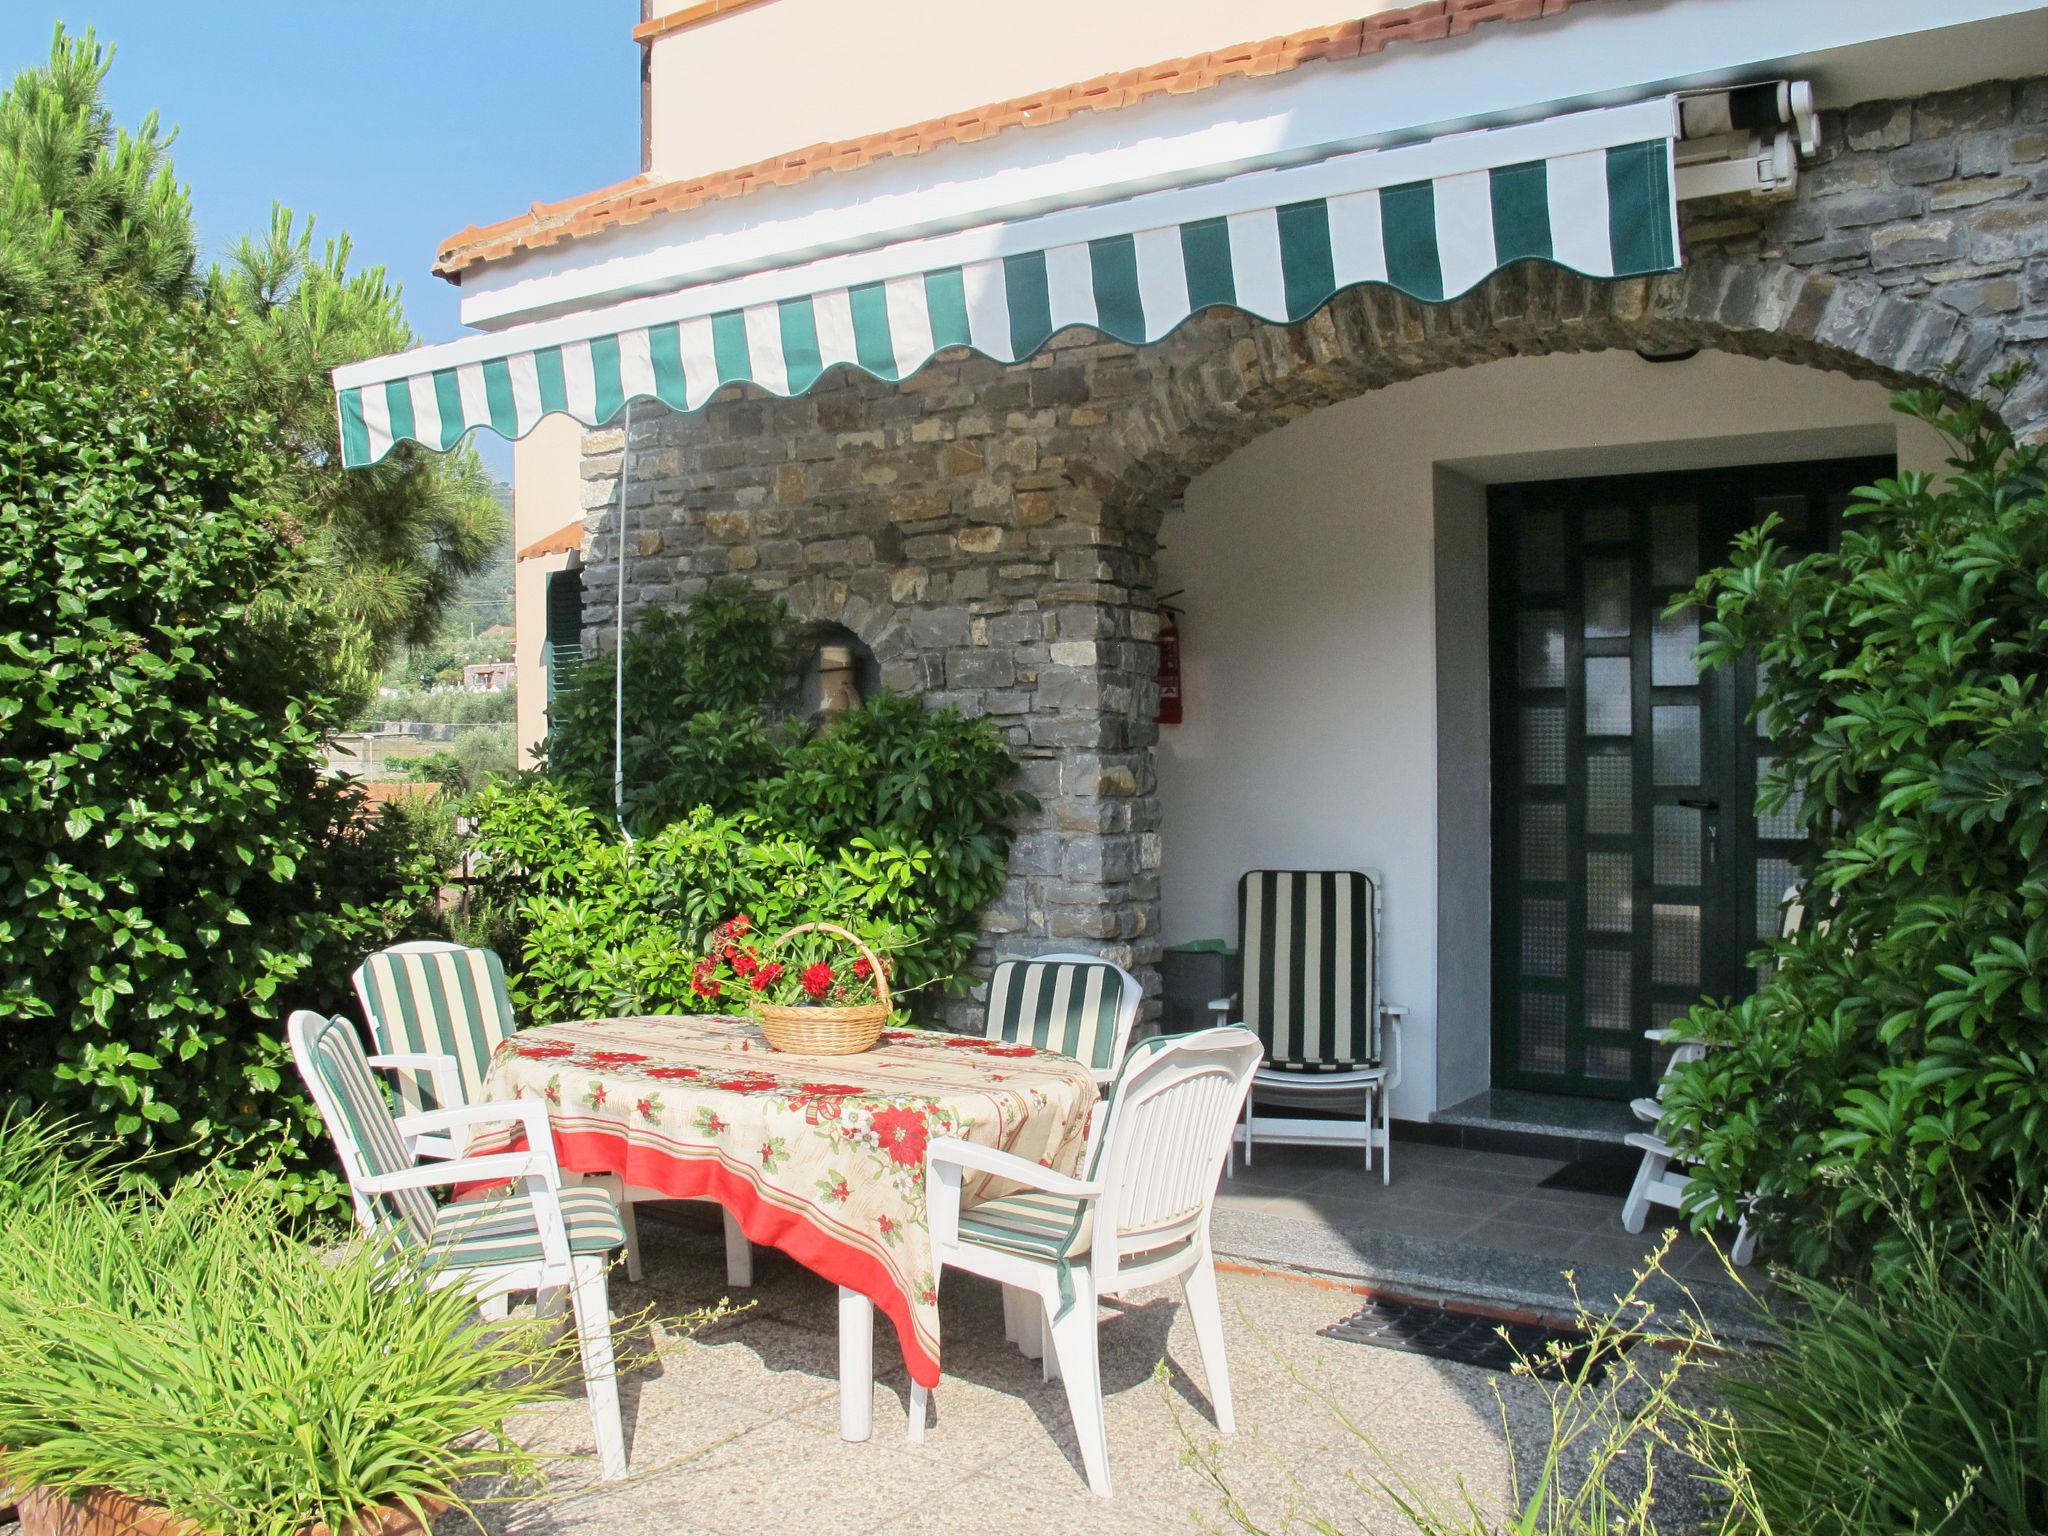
438, 1012
1139, 1217
545, 1239
1662, 1177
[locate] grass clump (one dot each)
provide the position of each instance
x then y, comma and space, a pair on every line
182, 1346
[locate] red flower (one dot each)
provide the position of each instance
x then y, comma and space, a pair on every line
903, 1135
613, 1058
753, 1082
887, 1226
863, 967
766, 976
817, 979
827, 1090
674, 1074
744, 962
740, 922
544, 1051
1008, 1050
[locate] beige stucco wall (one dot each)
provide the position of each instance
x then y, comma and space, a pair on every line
547, 492
1309, 646
825, 69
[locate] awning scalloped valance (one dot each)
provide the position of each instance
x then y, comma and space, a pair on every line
1593, 191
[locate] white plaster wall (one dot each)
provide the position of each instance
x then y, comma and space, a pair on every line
1309, 643
814, 71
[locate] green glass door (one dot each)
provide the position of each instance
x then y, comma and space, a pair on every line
1630, 874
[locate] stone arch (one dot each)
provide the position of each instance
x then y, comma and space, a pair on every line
1220, 383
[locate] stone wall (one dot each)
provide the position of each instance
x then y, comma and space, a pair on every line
989, 530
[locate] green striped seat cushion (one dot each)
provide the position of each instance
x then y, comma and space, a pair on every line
489, 1232
1031, 1223
372, 1144
1310, 988
1069, 1006
446, 1000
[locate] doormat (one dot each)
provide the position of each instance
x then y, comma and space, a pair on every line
1466, 1338
1593, 1176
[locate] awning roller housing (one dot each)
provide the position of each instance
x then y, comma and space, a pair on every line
1591, 191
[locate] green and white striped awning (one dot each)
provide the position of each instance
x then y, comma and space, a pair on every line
1592, 191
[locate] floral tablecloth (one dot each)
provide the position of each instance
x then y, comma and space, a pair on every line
820, 1156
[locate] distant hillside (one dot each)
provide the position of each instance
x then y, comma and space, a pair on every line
485, 598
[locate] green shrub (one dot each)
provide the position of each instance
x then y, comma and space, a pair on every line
176, 869
1918, 1403
179, 1347
1904, 1034
603, 928
894, 815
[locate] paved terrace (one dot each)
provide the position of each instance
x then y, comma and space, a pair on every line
738, 1432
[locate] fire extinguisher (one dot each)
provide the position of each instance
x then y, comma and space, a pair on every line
1169, 662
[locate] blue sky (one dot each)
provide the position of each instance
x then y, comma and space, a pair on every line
398, 121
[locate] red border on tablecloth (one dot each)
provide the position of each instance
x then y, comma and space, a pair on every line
705, 1178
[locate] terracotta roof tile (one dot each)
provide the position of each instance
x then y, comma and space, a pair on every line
563, 540
640, 198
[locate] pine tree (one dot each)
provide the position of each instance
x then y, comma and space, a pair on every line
94, 214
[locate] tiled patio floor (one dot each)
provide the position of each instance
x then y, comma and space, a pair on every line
1453, 1222
737, 1432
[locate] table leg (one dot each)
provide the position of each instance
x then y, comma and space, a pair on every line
739, 1254
856, 1365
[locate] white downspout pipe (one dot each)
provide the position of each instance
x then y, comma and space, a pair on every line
619, 642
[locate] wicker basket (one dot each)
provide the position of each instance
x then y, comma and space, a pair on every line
821, 1031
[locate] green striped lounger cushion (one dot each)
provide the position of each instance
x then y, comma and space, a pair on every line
1308, 991
1069, 1006
490, 1232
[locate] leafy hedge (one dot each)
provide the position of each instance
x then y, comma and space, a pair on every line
1903, 1042
894, 820
176, 870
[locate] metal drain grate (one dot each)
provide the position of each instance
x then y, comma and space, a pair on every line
1463, 1337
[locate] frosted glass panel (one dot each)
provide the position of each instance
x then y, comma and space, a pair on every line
1773, 878
1610, 800
1675, 845
1610, 1063
1671, 648
1610, 892
1542, 842
1603, 524
1543, 939
1540, 1037
1675, 745
1674, 545
1541, 552
1609, 697
1607, 599
1542, 650
1609, 982
1675, 946
1543, 745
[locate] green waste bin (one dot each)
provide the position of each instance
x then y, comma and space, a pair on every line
1193, 975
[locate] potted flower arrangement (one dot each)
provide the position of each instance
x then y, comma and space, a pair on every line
185, 1361
816, 989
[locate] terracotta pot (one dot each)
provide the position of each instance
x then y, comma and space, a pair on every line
103, 1512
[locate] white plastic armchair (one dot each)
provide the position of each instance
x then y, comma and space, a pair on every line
543, 1238
1139, 1216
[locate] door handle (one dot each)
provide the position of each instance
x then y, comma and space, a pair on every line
1711, 812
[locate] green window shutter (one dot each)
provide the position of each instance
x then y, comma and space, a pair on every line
562, 650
